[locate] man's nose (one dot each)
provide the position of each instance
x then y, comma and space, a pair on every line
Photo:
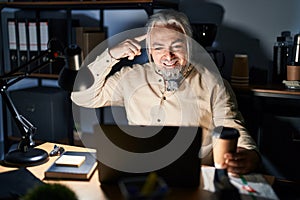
169, 54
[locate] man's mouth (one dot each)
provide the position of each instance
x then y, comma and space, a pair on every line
170, 64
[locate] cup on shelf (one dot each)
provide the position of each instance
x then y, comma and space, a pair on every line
240, 70
293, 73
225, 141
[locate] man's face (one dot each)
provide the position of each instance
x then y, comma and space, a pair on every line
168, 47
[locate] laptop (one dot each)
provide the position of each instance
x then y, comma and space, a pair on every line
170, 151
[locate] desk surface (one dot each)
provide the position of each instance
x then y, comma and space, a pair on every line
92, 190
269, 90
88, 190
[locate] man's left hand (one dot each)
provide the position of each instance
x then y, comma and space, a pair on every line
242, 162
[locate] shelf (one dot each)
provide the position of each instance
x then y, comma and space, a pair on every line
269, 90
68, 6
148, 5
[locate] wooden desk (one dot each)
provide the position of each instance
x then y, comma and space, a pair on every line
89, 190
92, 189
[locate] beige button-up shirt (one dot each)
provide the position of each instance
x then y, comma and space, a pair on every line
203, 99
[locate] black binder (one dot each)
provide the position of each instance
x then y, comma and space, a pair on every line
13, 43
55, 30
33, 41
30, 37
23, 42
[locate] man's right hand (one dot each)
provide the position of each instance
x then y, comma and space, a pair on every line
128, 48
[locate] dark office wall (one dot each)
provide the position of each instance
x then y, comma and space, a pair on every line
256, 20
245, 27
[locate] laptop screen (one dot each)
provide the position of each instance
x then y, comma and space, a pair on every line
170, 151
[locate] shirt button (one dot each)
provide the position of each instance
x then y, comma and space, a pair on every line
107, 60
158, 120
159, 80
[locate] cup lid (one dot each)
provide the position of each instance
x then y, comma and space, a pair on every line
225, 132
241, 55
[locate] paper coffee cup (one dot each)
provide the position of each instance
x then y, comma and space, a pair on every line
240, 66
293, 73
225, 141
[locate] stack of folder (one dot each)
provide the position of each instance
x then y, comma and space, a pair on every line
29, 37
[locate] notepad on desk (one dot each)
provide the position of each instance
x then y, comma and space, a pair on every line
70, 160
73, 165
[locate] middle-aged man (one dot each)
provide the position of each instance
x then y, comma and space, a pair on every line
172, 88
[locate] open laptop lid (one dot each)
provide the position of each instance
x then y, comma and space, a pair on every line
171, 151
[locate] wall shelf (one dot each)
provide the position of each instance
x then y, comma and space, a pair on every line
68, 6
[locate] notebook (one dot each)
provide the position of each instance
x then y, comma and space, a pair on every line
170, 151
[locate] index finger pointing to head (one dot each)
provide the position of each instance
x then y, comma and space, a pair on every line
140, 38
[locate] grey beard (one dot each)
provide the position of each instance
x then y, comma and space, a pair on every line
172, 77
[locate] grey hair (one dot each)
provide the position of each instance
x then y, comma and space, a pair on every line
169, 17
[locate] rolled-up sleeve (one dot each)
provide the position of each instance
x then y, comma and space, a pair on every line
226, 114
96, 95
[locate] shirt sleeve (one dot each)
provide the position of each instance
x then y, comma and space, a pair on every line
99, 93
226, 113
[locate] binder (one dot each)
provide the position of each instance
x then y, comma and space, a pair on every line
23, 57
12, 38
44, 35
33, 39
43, 39
53, 29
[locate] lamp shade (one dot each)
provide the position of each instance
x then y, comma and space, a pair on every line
68, 79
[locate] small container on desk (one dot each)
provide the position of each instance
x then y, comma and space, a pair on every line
134, 188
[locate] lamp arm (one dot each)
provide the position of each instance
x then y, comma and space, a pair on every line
25, 127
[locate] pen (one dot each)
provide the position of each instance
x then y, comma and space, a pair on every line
149, 184
246, 186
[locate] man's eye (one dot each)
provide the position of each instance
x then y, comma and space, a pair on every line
177, 47
158, 48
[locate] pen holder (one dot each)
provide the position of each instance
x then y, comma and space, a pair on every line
131, 188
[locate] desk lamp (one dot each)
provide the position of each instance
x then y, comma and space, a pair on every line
68, 79
25, 154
